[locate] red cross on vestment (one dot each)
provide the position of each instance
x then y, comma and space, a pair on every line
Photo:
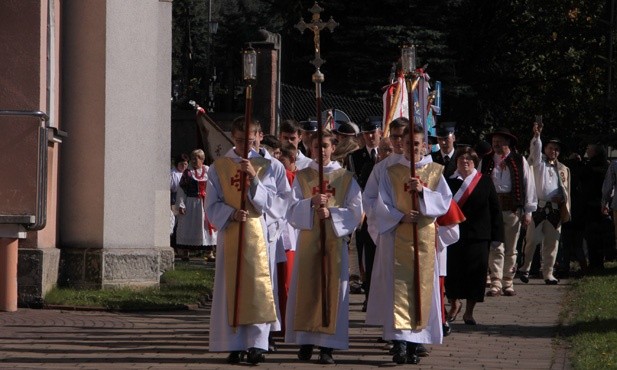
326, 185
235, 181
408, 189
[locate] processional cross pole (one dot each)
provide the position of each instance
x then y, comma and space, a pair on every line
315, 26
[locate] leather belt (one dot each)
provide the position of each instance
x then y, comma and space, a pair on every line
544, 203
507, 202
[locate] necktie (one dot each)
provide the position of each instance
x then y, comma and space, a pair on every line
374, 154
446, 159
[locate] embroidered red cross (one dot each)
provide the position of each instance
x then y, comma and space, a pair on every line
235, 181
326, 185
408, 189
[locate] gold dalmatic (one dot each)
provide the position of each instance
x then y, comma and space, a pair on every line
404, 254
308, 315
255, 297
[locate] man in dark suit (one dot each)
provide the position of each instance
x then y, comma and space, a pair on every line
444, 135
361, 163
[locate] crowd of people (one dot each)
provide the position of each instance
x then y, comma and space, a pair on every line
458, 223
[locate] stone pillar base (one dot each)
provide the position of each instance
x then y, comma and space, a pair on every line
96, 268
37, 274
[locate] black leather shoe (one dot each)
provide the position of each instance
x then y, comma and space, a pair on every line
421, 350
255, 356
305, 352
325, 356
412, 353
399, 350
469, 321
413, 359
271, 345
551, 282
446, 329
524, 277
234, 357
326, 359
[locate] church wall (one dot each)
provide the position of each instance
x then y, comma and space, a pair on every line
117, 64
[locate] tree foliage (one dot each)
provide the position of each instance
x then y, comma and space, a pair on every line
500, 62
527, 57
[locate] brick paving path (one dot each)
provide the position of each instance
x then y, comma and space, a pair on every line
513, 333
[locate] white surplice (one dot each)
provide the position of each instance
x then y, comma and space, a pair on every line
274, 215
222, 336
380, 310
345, 220
370, 195
302, 161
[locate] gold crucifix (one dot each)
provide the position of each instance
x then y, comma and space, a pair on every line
316, 26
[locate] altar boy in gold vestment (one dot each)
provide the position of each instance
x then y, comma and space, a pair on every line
254, 299
342, 214
393, 305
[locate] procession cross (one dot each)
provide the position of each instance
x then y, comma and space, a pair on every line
316, 26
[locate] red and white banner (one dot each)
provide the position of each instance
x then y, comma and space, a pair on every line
395, 103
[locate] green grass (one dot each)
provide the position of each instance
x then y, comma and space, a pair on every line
186, 285
590, 315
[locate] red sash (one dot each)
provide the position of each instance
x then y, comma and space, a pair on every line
469, 189
452, 217
454, 214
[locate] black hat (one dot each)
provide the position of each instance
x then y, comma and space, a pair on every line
444, 129
345, 128
555, 140
503, 132
483, 148
371, 124
309, 125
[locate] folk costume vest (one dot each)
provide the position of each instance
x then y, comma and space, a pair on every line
404, 257
194, 185
308, 303
255, 296
514, 161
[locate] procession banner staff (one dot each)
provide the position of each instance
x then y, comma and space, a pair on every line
316, 25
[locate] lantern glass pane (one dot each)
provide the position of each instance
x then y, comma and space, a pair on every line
213, 27
250, 64
408, 58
